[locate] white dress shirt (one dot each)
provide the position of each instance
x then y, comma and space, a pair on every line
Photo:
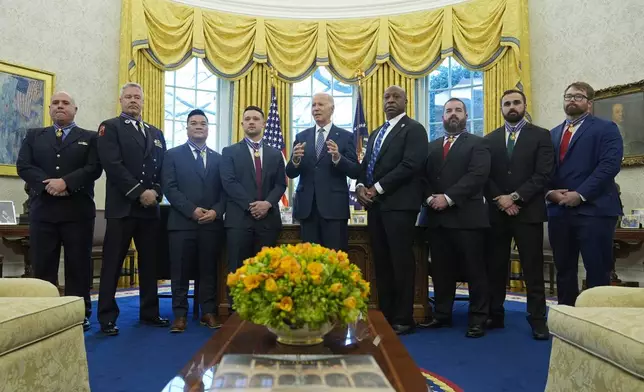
516, 137
195, 153
252, 154
326, 130
450, 202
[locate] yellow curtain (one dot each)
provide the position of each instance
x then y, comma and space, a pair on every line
255, 89
152, 80
373, 90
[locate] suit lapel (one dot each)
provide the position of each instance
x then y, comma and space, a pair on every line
521, 143
582, 128
309, 149
266, 162
134, 133
455, 147
190, 157
149, 139
50, 134
71, 137
392, 134
333, 135
557, 136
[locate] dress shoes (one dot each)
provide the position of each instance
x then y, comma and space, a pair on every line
210, 320
178, 325
156, 322
494, 323
110, 329
475, 331
86, 324
403, 329
435, 323
540, 329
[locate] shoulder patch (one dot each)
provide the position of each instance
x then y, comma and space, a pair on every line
101, 130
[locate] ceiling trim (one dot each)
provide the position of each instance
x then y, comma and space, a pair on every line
329, 9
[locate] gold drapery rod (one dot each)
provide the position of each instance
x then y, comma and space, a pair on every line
360, 75
273, 73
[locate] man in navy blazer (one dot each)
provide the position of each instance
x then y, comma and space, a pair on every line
192, 184
253, 175
323, 157
583, 202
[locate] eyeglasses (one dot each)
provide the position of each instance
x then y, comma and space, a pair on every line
575, 97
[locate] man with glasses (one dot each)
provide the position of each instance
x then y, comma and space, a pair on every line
583, 201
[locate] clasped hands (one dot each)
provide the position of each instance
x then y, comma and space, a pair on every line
259, 209
56, 187
332, 148
366, 195
507, 205
564, 197
148, 198
202, 215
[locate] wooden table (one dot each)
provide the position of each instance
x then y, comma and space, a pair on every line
16, 238
626, 241
242, 337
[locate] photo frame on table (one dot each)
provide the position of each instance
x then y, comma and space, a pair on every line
24, 96
8, 213
624, 105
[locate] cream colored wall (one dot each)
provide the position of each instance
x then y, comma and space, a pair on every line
78, 41
597, 41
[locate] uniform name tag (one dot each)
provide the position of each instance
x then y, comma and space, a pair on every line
157, 143
83, 143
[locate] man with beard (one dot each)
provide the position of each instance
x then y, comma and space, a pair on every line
522, 162
391, 188
583, 198
457, 217
252, 173
60, 165
131, 151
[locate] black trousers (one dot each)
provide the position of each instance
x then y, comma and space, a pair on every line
194, 253
76, 237
590, 235
457, 254
529, 240
330, 233
245, 243
118, 235
392, 238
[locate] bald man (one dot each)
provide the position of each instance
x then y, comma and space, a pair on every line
323, 157
391, 189
60, 164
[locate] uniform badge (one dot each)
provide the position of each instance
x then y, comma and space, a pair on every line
82, 143
101, 130
157, 143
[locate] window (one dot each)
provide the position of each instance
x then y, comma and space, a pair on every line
191, 87
452, 80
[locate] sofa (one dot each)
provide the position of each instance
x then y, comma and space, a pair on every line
598, 345
42, 347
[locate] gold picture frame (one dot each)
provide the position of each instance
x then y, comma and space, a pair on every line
624, 105
27, 93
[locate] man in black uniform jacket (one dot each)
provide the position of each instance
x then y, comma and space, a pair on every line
131, 152
457, 216
391, 188
60, 164
522, 163
192, 185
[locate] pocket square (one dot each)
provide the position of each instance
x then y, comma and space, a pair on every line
83, 143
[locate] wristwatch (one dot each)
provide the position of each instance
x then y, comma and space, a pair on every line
515, 196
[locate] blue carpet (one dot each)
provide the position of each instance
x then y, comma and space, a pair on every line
145, 358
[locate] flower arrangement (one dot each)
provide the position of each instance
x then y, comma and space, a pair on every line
297, 286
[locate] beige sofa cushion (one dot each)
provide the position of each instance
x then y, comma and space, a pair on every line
27, 320
613, 334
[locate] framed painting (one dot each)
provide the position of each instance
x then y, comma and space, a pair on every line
624, 105
24, 99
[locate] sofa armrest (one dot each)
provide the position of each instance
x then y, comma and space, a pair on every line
27, 287
612, 297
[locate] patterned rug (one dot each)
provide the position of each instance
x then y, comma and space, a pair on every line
437, 383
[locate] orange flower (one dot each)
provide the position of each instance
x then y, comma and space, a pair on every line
335, 287
232, 279
286, 304
350, 303
315, 268
356, 277
316, 279
342, 256
270, 285
252, 282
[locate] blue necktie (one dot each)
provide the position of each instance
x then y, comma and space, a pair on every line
319, 143
375, 152
200, 161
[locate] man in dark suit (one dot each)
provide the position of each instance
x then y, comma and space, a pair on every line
522, 163
391, 188
252, 173
457, 217
131, 151
583, 199
323, 156
192, 184
60, 165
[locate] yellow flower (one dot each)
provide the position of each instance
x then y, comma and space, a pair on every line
232, 279
286, 304
295, 277
243, 269
366, 290
315, 268
270, 285
251, 282
335, 287
350, 303
342, 256
316, 279
356, 277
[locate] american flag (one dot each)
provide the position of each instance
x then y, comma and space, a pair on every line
27, 92
273, 134
360, 137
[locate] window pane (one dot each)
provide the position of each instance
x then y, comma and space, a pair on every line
169, 102
302, 88
343, 114
169, 78
207, 101
477, 78
477, 102
321, 82
212, 136
435, 131
461, 76
439, 104
184, 103
438, 77
167, 131
302, 111
477, 127
179, 135
205, 79
186, 76
465, 95
341, 89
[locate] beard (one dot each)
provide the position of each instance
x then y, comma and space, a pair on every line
454, 125
572, 109
514, 116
